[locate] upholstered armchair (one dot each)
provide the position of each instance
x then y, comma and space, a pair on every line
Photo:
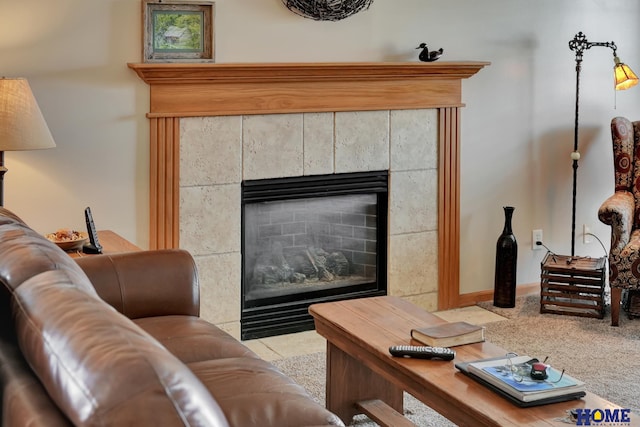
622, 212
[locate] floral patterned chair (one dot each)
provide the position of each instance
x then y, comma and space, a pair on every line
622, 212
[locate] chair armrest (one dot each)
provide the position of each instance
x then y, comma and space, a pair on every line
146, 283
617, 211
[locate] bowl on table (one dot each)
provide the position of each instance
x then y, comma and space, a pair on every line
68, 240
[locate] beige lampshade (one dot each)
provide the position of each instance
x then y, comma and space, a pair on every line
22, 126
624, 76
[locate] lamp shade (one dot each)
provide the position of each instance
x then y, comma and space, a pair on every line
22, 126
624, 76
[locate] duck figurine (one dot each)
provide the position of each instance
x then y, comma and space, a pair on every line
426, 56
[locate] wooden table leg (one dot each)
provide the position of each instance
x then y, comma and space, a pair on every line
349, 381
616, 296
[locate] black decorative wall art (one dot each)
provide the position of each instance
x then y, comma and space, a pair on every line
327, 10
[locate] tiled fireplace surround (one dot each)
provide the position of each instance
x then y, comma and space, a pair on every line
196, 179
217, 153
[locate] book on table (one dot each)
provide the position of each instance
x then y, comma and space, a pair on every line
449, 334
512, 376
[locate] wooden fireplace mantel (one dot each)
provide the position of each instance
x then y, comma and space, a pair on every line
204, 89
179, 90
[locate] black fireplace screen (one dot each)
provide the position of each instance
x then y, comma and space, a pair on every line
307, 240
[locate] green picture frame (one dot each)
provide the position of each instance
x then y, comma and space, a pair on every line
178, 31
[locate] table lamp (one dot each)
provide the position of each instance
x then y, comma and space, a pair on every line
624, 78
22, 126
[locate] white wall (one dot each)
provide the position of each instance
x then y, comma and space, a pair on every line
517, 126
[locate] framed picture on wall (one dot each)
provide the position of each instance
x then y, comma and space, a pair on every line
178, 31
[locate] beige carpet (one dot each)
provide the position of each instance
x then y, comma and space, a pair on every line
605, 357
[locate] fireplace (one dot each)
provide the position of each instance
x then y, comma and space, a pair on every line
310, 239
212, 126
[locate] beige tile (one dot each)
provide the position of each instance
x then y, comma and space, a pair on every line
473, 314
210, 219
413, 201
296, 344
414, 139
427, 301
220, 277
210, 150
362, 141
232, 328
262, 350
318, 143
413, 264
272, 146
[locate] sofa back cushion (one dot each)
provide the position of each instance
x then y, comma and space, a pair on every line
98, 366
24, 254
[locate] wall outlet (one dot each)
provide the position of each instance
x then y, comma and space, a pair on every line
586, 234
536, 236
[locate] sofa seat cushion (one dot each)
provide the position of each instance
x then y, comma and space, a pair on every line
98, 366
192, 339
254, 393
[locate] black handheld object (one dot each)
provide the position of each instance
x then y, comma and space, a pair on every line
422, 352
93, 247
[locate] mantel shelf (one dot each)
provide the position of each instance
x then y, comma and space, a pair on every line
204, 89
173, 73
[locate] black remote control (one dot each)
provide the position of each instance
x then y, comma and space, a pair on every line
422, 352
94, 246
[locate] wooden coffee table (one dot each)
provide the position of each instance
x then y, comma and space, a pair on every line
362, 377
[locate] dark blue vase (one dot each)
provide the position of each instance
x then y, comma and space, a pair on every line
504, 292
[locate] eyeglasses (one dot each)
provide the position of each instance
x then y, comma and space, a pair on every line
522, 372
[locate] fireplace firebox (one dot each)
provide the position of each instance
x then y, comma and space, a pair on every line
307, 240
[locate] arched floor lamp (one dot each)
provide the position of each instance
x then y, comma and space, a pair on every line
624, 79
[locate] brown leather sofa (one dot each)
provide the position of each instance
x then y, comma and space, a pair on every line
115, 340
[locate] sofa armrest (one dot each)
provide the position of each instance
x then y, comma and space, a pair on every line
146, 283
617, 211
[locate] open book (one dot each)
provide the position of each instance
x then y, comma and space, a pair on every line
512, 376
